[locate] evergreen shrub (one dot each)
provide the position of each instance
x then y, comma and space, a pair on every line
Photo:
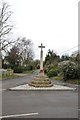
70, 71
18, 69
52, 72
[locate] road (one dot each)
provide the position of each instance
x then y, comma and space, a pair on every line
38, 104
17, 81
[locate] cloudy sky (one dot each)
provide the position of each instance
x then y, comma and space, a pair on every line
51, 22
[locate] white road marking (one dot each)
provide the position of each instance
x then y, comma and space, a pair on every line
2, 89
8, 116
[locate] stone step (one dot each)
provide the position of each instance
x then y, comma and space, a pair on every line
41, 81
41, 85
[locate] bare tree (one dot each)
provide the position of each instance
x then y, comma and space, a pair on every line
5, 25
25, 49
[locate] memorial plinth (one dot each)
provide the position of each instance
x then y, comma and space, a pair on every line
41, 80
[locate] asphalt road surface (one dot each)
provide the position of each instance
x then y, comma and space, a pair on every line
37, 104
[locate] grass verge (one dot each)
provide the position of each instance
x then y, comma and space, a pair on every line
71, 81
74, 81
9, 77
14, 75
28, 71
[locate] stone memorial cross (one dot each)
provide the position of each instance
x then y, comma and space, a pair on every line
41, 58
41, 80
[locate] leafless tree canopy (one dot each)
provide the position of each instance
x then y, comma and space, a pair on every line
25, 48
5, 25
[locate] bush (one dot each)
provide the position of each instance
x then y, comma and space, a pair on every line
18, 69
6, 66
45, 71
29, 67
52, 72
78, 72
51, 69
70, 71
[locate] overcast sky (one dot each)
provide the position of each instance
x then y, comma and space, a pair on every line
51, 22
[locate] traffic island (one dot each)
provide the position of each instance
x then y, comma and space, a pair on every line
27, 87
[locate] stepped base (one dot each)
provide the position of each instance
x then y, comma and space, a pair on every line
41, 81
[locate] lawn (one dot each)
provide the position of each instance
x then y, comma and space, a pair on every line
14, 75
72, 81
8, 77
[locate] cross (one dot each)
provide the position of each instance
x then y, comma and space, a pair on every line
41, 58
41, 46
